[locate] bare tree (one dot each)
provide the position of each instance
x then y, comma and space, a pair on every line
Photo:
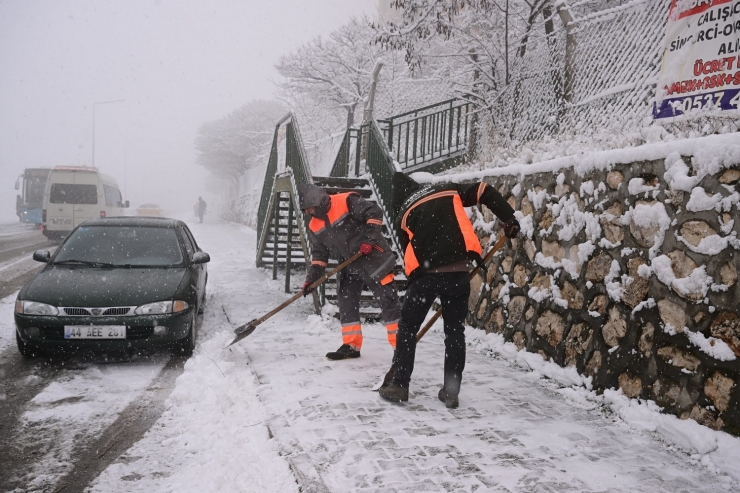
240, 140
335, 72
446, 32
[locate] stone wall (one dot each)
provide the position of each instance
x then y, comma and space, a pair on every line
242, 210
629, 273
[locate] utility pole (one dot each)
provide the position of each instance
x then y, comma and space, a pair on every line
368, 116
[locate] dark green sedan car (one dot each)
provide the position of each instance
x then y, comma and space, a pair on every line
115, 283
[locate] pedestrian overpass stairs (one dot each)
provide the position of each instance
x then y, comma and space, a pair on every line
429, 139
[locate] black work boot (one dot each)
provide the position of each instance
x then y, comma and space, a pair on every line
451, 401
344, 352
389, 376
394, 393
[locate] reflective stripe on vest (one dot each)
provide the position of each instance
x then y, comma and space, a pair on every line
411, 262
471, 239
481, 189
337, 211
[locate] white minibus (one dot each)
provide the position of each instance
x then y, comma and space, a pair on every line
74, 194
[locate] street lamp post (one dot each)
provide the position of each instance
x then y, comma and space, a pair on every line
93, 129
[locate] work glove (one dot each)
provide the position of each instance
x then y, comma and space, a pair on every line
366, 248
314, 274
512, 228
307, 288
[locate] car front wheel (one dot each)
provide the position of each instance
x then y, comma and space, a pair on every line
202, 302
187, 345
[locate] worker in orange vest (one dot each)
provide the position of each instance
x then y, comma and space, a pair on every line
439, 243
340, 226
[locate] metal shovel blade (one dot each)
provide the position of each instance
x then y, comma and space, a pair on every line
387, 379
241, 332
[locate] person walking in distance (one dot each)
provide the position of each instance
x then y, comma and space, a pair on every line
340, 226
439, 242
201, 208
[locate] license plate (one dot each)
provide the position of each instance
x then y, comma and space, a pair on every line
95, 332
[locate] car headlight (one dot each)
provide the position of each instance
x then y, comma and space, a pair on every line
160, 307
35, 308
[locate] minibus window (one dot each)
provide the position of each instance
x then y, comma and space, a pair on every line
67, 193
112, 196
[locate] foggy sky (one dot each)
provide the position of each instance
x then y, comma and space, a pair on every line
177, 64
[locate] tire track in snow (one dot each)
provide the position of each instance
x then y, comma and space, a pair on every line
61, 414
20, 381
130, 426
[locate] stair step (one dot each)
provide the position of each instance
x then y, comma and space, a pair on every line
282, 247
281, 261
333, 181
364, 193
267, 256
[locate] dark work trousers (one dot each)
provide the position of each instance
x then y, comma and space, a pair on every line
348, 299
453, 289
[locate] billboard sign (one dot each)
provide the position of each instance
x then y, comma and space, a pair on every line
700, 74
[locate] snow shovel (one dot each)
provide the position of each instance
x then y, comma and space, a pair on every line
244, 330
389, 376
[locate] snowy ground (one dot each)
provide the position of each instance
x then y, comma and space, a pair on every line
272, 414
273, 409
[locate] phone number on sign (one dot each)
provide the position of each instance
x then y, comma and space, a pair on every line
713, 101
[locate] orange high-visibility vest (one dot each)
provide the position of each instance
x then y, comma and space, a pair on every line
466, 228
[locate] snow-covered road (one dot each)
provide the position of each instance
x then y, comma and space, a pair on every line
17, 243
271, 414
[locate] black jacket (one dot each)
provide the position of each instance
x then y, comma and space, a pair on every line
433, 228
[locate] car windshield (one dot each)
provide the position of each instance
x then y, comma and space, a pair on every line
121, 246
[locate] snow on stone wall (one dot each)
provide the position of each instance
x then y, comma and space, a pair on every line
629, 273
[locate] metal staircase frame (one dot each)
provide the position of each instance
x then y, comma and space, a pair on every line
276, 183
433, 138
380, 169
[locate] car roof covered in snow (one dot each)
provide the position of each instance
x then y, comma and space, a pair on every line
162, 222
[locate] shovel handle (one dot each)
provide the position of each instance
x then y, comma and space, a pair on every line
501, 241
313, 286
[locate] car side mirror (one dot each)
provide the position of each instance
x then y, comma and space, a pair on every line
42, 256
17, 185
201, 258
126, 204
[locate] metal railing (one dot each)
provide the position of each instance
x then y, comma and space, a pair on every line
379, 164
267, 187
415, 139
405, 142
380, 168
342, 162
296, 154
295, 161
430, 133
